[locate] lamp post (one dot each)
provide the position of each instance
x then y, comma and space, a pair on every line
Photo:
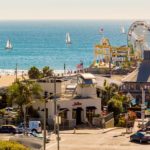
25, 120
64, 68
16, 72
44, 139
143, 107
55, 103
58, 138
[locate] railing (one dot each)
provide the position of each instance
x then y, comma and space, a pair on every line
109, 116
102, 121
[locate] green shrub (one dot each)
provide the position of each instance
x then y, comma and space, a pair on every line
7, 145
121, 122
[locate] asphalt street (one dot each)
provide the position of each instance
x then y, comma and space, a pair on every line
95, 140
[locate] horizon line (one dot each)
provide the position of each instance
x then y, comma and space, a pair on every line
80, 19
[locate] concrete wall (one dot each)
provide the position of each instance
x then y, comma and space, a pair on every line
49, 87
110, 123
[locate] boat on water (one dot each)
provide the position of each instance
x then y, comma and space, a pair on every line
8, 44
68, 39
123, 30
101, 30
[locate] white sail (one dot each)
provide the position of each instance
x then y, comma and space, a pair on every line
8, 45
68, 39
123, 30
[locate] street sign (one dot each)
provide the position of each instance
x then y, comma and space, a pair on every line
58, 119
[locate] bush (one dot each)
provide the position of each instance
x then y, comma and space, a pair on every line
121, 122
7, 145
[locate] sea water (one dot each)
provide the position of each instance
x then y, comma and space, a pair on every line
42, 43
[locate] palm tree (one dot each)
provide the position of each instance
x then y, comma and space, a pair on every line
108, 92
47, 71
115, 105
23, 93
34, 73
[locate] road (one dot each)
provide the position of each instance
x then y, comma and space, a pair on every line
95, 140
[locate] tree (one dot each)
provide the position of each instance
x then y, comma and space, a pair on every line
23, 93
47, 71
115, 105
3, 101
34, 73
108, 92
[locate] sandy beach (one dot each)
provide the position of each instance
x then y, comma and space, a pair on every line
7, 80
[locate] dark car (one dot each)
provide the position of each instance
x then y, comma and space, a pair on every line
138, 114
147, 129
8, 129
140, 137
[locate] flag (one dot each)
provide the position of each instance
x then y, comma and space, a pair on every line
80, 66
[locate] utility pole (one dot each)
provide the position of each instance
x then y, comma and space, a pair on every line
110, 61
44, 139
24, 119
58, 138
16, 71
64, 68
143, 108
55, 113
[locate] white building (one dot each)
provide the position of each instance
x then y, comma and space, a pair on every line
78, 101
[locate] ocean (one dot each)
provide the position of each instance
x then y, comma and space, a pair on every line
42, 43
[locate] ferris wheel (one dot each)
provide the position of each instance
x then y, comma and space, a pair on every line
139, 37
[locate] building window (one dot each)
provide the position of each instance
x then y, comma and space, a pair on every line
73, 114
63, 115
90, 112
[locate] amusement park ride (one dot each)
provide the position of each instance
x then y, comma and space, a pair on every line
139, 37
107, 56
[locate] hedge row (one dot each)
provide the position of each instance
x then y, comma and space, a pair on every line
7, 145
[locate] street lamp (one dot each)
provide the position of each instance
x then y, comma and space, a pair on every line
58, 138
45, 100
143, 108
55, 105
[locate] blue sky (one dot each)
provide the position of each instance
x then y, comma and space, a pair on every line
74, 9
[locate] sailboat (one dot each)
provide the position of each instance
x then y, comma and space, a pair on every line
68, 39
8, 45
123, 30
101, 30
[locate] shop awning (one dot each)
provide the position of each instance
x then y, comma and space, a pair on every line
91, 107
63, 109
78, 108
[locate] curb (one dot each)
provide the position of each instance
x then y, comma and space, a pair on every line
112, 129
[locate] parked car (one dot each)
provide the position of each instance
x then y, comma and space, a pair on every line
8, 129
147, 129
140, 137
138, 114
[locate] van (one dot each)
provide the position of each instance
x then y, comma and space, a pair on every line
32, 126
35, 126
